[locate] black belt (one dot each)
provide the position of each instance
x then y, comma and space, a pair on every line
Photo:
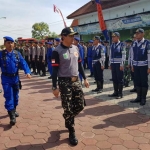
73, 79
10, 74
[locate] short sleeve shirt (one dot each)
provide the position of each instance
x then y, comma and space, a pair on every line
66, 58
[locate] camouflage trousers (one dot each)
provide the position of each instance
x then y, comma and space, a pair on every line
127, 76
72, 100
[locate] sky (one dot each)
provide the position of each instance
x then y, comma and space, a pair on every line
22, 14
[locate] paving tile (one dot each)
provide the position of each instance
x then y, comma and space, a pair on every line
136, 133
39, 135
29, 132
118, 147
141, 140
91, 148
26, 139
112, 133
16, 136
89, 141
12, 143
130, 144
126, 137
103, 144
115, 141
4, 140
144, 146
88, 135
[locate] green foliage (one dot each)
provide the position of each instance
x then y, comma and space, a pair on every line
41, 30
147, 34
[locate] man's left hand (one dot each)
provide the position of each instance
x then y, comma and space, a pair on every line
86, 83
28, 76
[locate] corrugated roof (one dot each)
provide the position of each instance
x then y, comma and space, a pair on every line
90, 7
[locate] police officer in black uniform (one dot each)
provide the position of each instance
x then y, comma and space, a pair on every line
67, 64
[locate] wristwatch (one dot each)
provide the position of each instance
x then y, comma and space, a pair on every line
54, 88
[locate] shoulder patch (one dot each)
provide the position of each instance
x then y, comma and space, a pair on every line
76, 54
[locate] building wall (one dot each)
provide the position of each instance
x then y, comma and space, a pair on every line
117, 12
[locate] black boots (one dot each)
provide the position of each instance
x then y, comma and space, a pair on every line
115, 94
138, 99
16, 114
100, 87
143, 98
91, 75
72, 137
12, 117
96, 90
133, 90
120, 88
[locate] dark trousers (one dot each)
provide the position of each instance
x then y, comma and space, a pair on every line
85, 65
27, 60
117, 74
98, 72
34, 64
141, 76
42, 65
132, 77
72, 98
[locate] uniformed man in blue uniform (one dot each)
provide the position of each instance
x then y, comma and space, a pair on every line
10, 61
98, 63
89, 55
57, 42
117, 60
140, 62
49, 55
81, 51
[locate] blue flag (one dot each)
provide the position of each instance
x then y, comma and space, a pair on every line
98, 1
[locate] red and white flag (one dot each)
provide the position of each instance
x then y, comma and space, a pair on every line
57, 10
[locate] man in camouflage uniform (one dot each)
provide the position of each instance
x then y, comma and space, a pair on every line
67, 64
127, 72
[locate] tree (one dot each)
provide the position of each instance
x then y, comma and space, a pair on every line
40, 30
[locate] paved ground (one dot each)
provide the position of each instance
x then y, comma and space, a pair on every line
105, 124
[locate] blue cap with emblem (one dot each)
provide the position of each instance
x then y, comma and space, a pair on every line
49, 43
57, 39
7, 38
116, 34
140, 30
77, 39
90, 41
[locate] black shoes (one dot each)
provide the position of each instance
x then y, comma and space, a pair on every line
72, 137
137, 100
50, 77
133, 90
115, 94
12, 117
43, 75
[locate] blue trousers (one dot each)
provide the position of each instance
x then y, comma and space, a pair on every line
80, 76
141, 76
90, 64
11, 95
98, 72
117, 74
50, 67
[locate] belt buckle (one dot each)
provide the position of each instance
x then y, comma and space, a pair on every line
73, 79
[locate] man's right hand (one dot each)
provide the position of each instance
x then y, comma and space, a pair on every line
132, 69
56, 93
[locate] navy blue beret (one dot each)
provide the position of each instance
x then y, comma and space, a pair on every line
7, 38
49, 43
77, 39
90, 41
57, 39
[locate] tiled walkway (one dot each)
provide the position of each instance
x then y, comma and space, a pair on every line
105, 124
